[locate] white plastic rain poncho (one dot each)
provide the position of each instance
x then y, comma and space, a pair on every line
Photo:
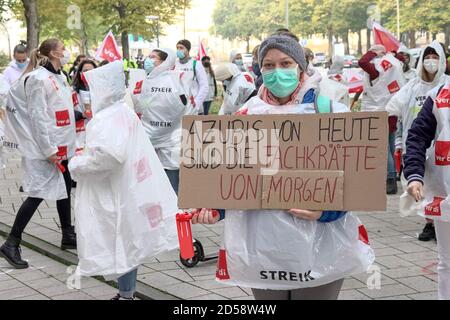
79, 100
161, 101
4, 88
125, 206
238, 90
271, 249
233, 55
436, 202
411, 73
336, 83
41, 122
195, 82
377, 93
407, 103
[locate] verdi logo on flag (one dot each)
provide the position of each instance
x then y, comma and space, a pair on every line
109, 50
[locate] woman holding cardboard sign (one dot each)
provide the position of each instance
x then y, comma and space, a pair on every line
295, 254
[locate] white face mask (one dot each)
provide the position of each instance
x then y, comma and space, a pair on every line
431, 65
66, 58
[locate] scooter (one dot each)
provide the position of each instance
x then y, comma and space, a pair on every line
191, 251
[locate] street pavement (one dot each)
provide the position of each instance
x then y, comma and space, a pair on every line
408, 266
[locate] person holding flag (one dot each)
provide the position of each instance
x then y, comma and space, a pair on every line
193, 76
383, 77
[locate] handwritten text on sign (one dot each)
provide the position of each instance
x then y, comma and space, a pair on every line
223, 158
300, 189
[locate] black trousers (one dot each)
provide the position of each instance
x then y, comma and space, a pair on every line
30, 206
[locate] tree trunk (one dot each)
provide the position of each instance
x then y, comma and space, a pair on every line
248, 44
368, 45
124, 38
330, 41
32, 20
412, 39
84, 48
433, 36
125, 45
360, 42
346, 43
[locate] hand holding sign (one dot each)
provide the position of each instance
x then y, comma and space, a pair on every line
306, 214
205, 216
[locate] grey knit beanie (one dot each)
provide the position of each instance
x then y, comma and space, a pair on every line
286, 44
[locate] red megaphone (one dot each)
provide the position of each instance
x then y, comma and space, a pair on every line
398, 161
185, 233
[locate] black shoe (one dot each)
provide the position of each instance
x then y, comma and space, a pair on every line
10, 250
428, 233
119, 297
391, 186
21, 189
69, 238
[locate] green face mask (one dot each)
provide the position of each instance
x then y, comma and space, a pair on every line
281, 82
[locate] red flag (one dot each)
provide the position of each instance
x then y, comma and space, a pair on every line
109, 49
201, 51
384, 37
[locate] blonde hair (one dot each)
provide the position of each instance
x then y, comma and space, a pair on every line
41, 56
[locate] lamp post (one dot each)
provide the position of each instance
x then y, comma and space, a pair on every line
155, 18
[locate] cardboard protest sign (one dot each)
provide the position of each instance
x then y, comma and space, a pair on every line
311, 190
226, 159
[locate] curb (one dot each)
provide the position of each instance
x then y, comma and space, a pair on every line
143, 291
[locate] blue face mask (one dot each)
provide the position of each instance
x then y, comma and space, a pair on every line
149, 65
281, 82
21, 65
239, 62
180, 54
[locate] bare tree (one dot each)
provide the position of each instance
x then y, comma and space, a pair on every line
32, 20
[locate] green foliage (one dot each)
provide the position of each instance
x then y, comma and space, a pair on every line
97, 17
130, 15
4, 60
242, 19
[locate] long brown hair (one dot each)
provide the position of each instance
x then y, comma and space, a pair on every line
41, 56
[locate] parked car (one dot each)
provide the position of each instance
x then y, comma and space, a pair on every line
319, 59
350, 61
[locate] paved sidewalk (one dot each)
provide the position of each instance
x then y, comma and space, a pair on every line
46, 280
408, 266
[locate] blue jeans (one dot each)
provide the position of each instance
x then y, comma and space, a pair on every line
127, 284
174, 178
392, 172
206, 106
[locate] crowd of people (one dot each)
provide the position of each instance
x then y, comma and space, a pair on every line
120, 146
